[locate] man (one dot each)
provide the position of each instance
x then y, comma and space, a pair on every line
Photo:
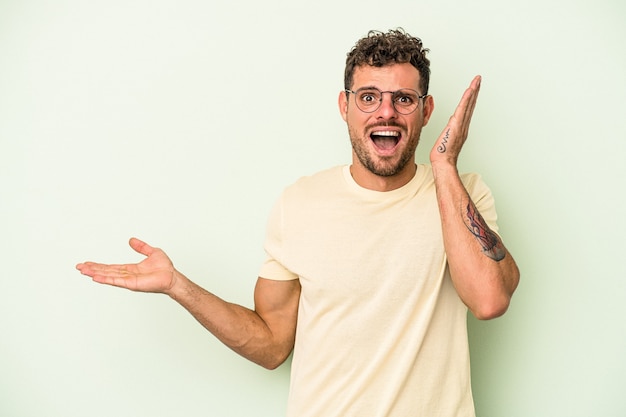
371, 267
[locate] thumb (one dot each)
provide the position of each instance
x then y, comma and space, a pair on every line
141, 247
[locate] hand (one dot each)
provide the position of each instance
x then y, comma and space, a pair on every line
448, 145
156, 273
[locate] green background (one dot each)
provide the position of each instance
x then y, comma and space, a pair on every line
180, 122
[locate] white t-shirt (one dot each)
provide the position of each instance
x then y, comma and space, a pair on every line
381, 330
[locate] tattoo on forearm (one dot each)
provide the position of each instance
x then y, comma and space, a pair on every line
490, 242
442, 147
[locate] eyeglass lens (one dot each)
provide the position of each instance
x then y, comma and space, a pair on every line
369, 99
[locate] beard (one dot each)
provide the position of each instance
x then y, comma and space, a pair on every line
387, 166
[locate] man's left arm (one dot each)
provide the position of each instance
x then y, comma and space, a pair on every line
483, 271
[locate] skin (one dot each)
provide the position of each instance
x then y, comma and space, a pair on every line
264, 335
483, 272
361, 125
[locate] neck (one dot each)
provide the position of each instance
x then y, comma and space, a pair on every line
367, 179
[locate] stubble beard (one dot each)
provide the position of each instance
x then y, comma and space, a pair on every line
383, 166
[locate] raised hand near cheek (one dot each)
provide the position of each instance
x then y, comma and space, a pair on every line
155, 273
449, 144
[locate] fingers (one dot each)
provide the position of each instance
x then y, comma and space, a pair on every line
141, 247
93, 269
143, 276
449, 144
88, 268
466, 107
475, 89
460, 120
107, 272
116, 275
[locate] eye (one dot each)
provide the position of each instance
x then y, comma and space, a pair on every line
405, 99
369, 97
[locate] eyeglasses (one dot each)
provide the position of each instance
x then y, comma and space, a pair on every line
369, 99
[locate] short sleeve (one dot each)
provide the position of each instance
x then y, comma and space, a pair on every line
483, 199
273, 267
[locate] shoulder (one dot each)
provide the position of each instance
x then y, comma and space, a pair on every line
321, 182
482, 197
474, 184
307, 197
472, 181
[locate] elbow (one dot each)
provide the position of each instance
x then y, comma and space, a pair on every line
491, 306
491, 310
495, 302
273, 362
270, 366
267, 355
270, 357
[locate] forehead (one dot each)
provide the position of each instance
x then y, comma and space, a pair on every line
389, 77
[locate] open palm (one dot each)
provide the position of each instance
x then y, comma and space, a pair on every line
153, 274
452, 138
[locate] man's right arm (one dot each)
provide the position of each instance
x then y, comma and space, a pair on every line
264, 335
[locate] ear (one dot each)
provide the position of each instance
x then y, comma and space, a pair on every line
429, 107
342, 101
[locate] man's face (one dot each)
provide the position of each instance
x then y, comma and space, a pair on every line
384, 141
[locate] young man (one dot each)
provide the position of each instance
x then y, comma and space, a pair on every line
371, 267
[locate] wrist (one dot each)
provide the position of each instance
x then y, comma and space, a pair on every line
444, 168
178, 287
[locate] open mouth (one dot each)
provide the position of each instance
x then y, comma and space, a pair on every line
385, 140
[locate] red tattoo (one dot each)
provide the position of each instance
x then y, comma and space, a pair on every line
491, 243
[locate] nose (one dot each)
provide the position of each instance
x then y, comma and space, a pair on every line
386, 109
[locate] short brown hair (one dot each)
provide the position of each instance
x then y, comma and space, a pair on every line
394, 47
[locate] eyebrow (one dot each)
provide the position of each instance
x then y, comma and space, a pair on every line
365, 87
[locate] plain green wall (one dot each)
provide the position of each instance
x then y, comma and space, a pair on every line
180, 122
